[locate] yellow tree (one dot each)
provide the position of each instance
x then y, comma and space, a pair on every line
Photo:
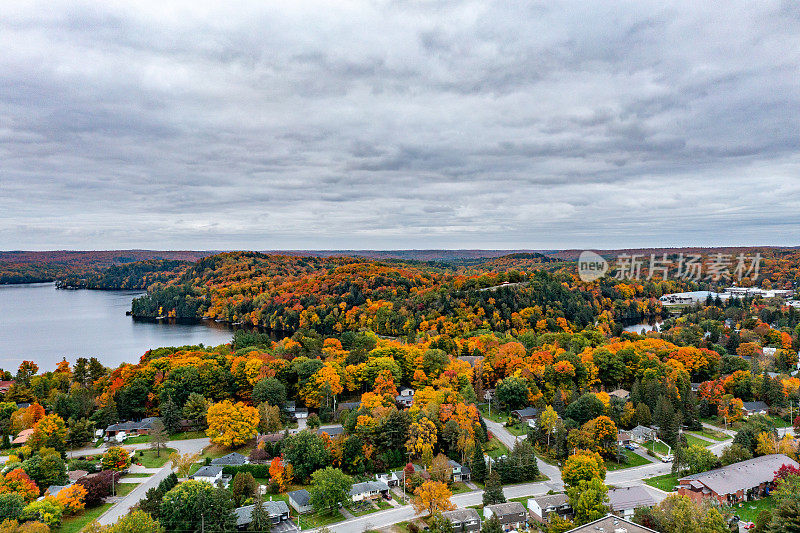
231, 424
183, 462
547, 421
49, 432
72, 498
440, 469
433, 497
583, 466
116, 458
422, 438
603, 432
384, 384
324, 385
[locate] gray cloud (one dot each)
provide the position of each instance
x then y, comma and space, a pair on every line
398, 124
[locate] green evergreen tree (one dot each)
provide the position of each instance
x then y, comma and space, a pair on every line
493, 490
261, 521
492, 526
171, 415
478, 465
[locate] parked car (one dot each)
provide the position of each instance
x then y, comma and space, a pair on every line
667, 458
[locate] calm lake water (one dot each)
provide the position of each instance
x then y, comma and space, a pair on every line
42, 324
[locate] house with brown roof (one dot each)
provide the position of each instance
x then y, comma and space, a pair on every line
735, 483
22, 437
5, 386
620, 393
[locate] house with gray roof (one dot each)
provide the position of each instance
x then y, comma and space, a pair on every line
511, 515
735, 483
625, 500
464, 520
210, 474
543, 507
130, 427
754, 408
232, 459
368, 490
332, 431
300, 500
611, 524
642, 433
278, 512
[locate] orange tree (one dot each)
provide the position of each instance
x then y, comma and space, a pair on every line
72, 498
18, 481
231, 424
603, 432
116, 458
49, 432
433, 497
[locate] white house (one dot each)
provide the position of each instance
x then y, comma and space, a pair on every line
210, 474
368, 490
300, 500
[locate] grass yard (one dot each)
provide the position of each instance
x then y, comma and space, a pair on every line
695, 441
666, 482
709, 434
779, 422
363, 508
148, 458
137, 474
186, 435
634, 459
315, 520
139, 439
73, 524
459, 487
494, 448
656, 447
214, 451
749, 510
496, 416
123, 489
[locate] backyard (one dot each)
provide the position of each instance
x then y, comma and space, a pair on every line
748, 511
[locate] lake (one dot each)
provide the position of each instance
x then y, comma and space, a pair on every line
42, 324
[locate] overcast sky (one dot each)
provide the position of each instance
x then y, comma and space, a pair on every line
388, 125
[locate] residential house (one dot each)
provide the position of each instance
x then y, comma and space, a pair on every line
278, 512
527, 415
211, 474
369, 490
611, 524
543, 507
398, 475
643, 434
131, 428
754, 408
22, 437
348, 406
52, 490
511, 515
332, 431
405, 398
464, 520
625, 500
232, 459
735, 483
75, 475
460, 473
623, 438
620, 393
300, 500
271, 437
5, 386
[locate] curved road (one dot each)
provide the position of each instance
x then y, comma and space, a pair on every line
122, 507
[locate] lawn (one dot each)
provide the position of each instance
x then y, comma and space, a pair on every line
123, 489
749, 510
149, 459
362, 508
214, 451
667, 482
656, 447
137, 474
634, 459
691, 440
315, 520
710, 434
139, 439
496, 415
458, 488
74, 524
186, 435
779, 422
494, 448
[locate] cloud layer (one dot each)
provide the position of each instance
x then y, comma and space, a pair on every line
398, 124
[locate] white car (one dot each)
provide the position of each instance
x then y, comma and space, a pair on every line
667, 458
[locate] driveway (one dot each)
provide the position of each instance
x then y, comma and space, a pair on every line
510, 440
123, 506
286, 526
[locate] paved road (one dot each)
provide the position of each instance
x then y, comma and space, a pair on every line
122, 507
509, 440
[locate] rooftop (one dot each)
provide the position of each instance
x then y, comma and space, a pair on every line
629, 498
232, 459
611, 524
551, 500
368, 486
461, 515
502, 509
743, 475
208, 471
302, 496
